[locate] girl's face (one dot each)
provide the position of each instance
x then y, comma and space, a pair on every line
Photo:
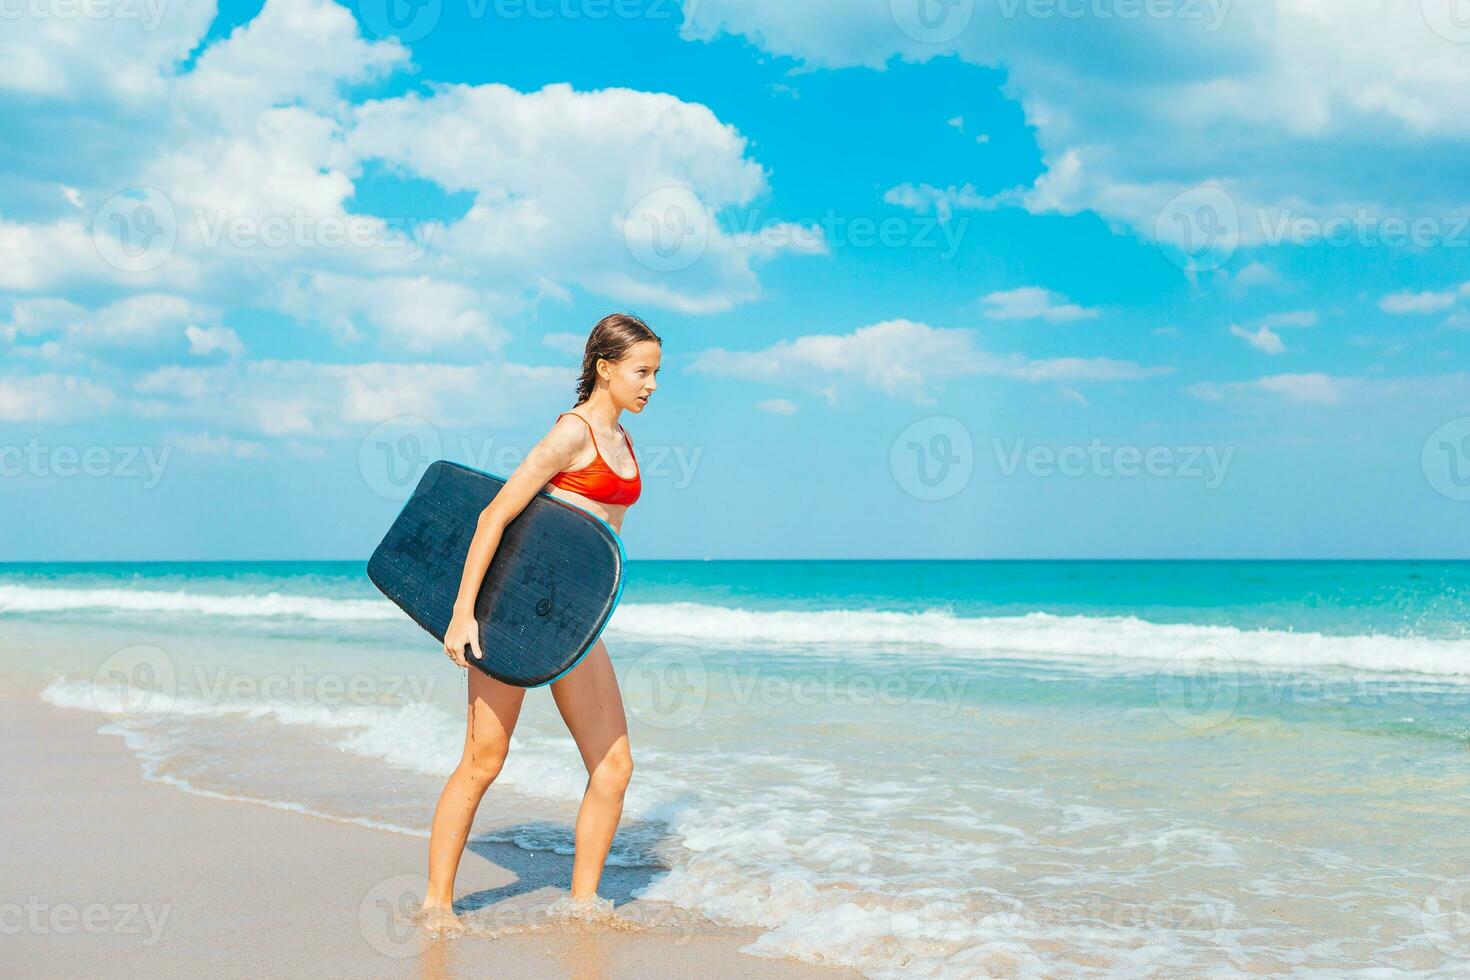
633, 379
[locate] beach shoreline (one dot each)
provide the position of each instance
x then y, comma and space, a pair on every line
109, 874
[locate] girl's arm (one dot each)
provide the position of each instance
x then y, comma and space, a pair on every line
554, 453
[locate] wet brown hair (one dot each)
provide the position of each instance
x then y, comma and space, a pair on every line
612, 338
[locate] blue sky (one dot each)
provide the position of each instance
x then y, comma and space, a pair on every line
1022, 279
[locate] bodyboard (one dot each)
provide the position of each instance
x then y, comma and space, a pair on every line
556, 577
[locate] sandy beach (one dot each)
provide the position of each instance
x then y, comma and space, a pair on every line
107, 874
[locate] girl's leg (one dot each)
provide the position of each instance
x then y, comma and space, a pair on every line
592, 707
493, 710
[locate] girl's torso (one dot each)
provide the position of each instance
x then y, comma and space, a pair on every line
599, 484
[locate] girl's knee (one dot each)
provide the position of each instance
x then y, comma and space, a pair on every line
483, 765
614, 772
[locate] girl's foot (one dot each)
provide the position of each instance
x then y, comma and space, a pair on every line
440, 922
589, 910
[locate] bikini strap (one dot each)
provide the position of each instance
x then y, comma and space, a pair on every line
591, 433
584, 422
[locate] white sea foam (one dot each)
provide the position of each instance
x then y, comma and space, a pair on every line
415, 736
35, 599
1040, 636
1036, 636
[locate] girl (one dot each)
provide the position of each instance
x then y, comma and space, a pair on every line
587, 459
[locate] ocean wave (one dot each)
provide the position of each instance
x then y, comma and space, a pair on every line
1098, 640
33, 599
1040, 636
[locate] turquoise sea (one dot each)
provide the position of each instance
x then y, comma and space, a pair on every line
914, 768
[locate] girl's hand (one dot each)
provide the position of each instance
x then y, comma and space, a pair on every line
463, 632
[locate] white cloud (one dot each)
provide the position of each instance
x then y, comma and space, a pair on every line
1257, 274
216, 445
1034, 303
51, 398
777, 406
205, 341
1318, 389
38, 316
904, 359
1294, 318
943, 202
570, 344
1263, 340
147, 319
143, 321
641, 226
1342, 97
257, 155
307, 401
411, 313
292, 51
1429, 301
52, 56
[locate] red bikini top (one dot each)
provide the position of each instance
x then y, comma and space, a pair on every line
597, 481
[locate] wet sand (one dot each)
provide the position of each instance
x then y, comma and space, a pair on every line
107, 874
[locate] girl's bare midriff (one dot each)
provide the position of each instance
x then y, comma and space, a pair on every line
612, 513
